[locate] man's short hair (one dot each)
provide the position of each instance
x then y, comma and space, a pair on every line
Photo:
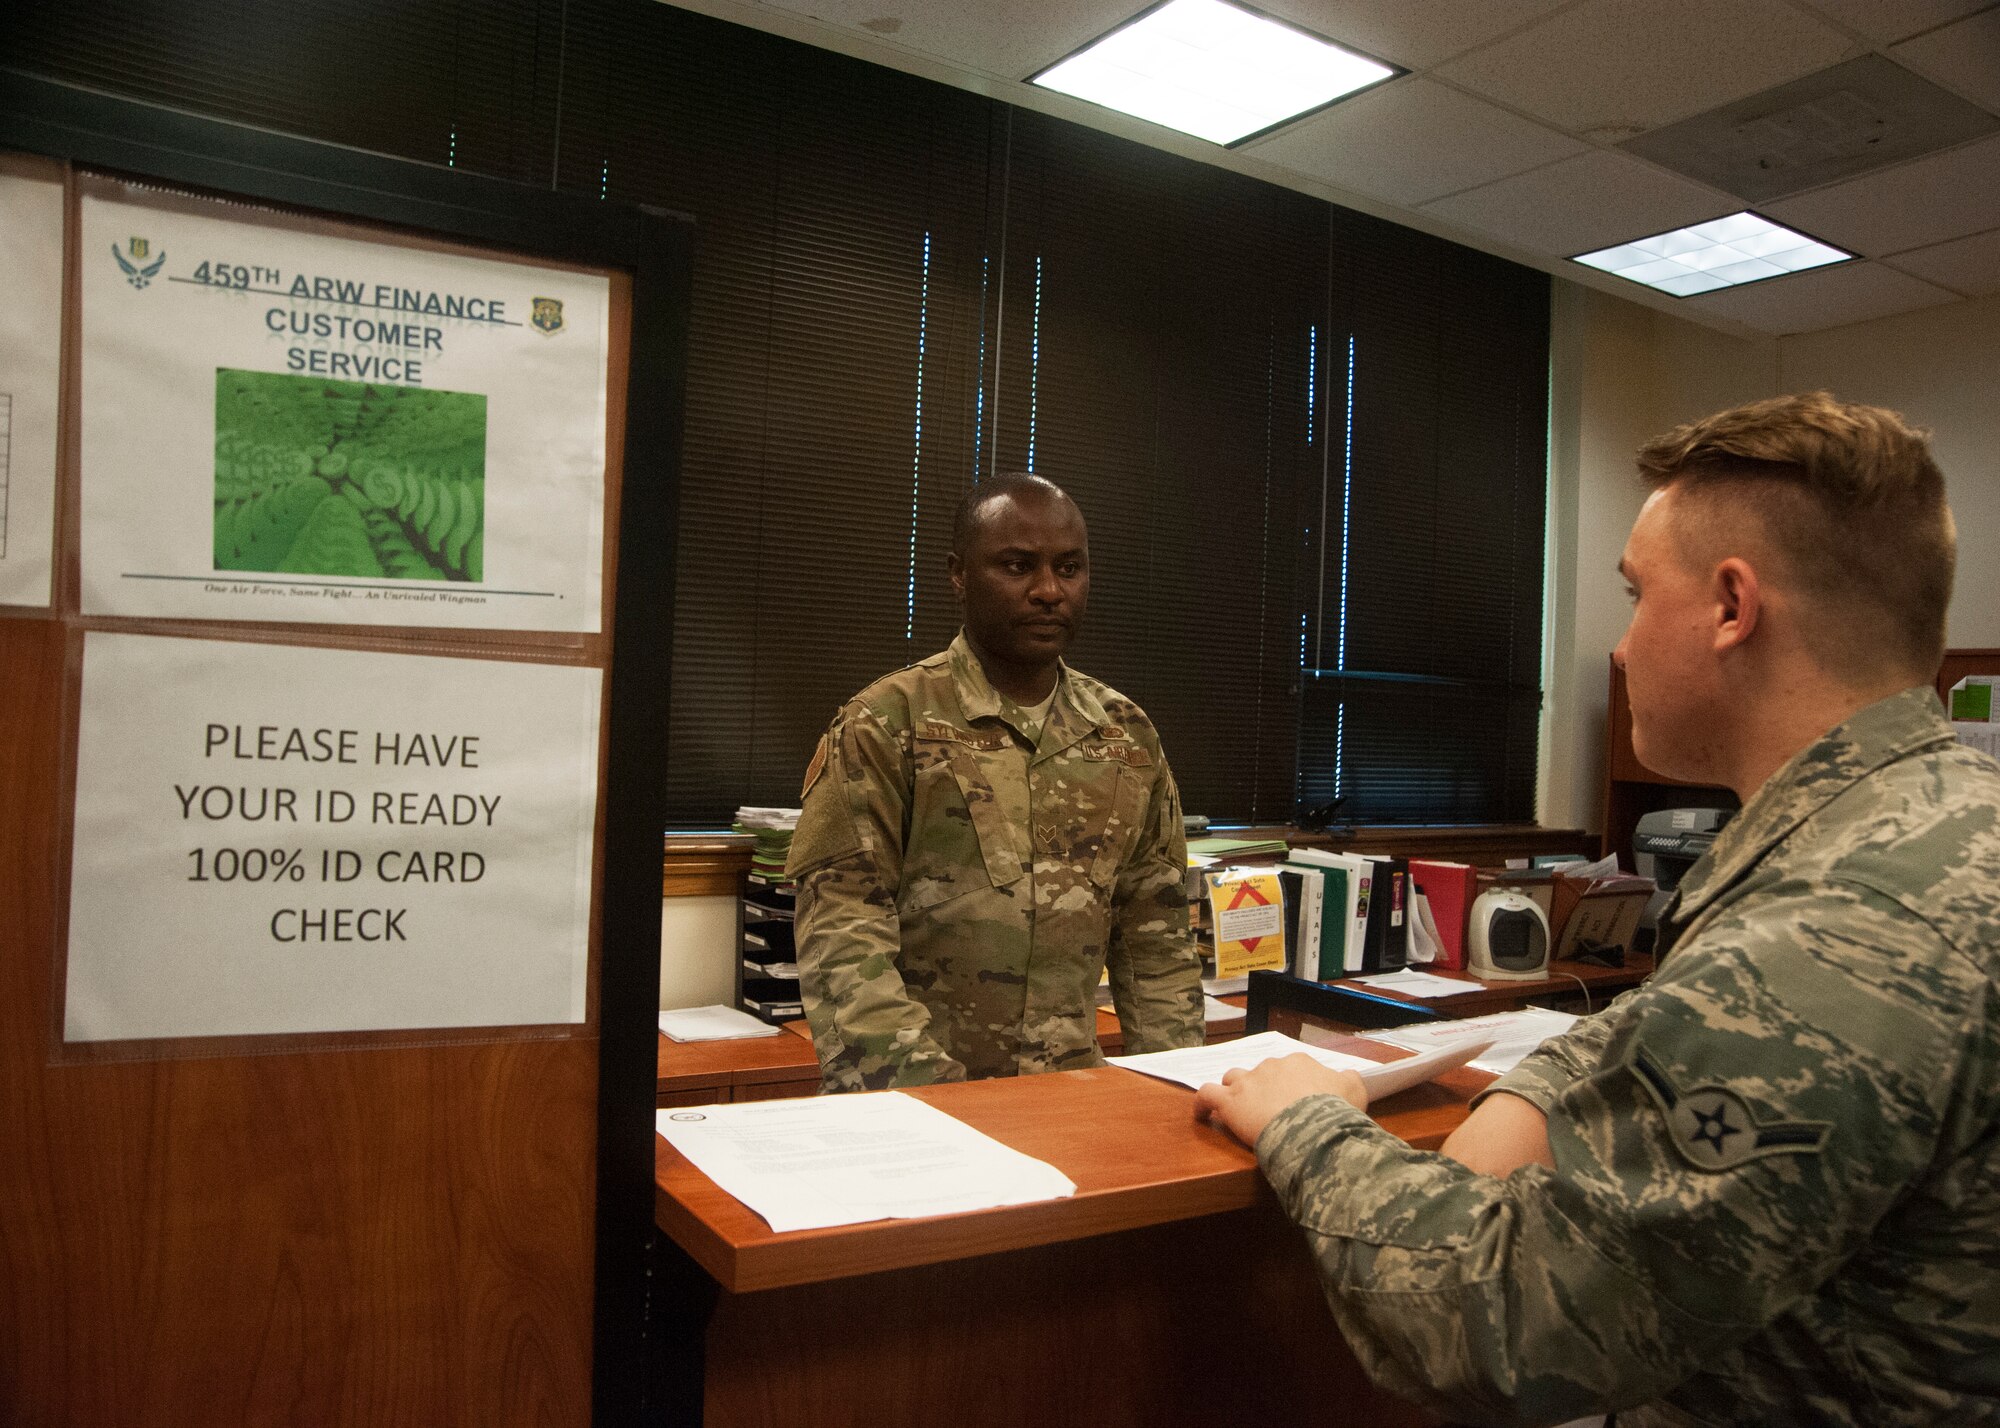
979, 494
1849, 502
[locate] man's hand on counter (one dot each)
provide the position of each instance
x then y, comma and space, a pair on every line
1246, 1100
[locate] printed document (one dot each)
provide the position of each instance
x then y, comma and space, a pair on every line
1196, 1066
1512, 1034
817, 1161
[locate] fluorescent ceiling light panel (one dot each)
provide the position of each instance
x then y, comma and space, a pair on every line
1212, 69
1721, 253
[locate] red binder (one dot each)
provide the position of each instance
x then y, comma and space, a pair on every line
1450, 889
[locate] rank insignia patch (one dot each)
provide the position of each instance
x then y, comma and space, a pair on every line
1714, 1128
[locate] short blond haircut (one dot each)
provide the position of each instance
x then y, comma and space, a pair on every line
1849, 502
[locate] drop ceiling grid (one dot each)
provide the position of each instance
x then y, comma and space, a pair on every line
1607, 69
1588, 202
1884, 22
1830, 297
1413, 141
1913, 205
1970, 266
1964, 57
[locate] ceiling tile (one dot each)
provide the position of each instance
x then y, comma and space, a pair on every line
1009, 38
1414, 35
1610, 68
1829, 297
1413, 140
1580, 204
1914, 205
1835, 124
1964, 57
1886, 21
1965, 265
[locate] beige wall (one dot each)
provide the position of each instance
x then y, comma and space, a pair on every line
1941, 369
699, 945
1622, 373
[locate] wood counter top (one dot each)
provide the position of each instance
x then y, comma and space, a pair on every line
1130, 1142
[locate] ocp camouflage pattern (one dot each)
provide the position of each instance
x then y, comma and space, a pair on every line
1776, 1194
961, 890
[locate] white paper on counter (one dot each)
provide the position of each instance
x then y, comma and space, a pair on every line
817, 1161
1513, 1035
716, 1023
1197, 1066
1416, 984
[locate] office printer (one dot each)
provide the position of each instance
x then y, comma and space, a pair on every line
1666, 844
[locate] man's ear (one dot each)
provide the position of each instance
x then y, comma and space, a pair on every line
955, 568
1739, 602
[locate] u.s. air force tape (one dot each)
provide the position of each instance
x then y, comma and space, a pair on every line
1714, 1128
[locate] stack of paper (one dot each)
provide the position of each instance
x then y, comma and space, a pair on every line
712, 1024
842, 1160
772, 828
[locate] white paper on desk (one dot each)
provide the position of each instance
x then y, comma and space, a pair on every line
842, 1160
1214, 1009
1197, 1066
1513, 1035
712, 1024
1417, 984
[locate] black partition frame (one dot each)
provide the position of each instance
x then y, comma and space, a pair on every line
655, 247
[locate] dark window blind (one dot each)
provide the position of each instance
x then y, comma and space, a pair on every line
1422, 683
1157, 328
1311, 445
468, 83
832, 368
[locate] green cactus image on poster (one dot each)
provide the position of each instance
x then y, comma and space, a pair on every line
317, 477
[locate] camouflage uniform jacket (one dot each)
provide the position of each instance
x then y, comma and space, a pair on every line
1776, 1198
960, 890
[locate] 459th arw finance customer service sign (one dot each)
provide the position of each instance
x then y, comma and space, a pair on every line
279, 424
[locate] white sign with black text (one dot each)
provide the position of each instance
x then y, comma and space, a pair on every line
275, 839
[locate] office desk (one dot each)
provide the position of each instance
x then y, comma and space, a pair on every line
703, 1073
1169, 1290
762, 1068
1566, 981
1278, 1001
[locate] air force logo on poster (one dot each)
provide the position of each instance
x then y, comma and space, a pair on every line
138, 276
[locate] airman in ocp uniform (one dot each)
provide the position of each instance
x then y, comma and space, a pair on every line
985, 832
1764, 1188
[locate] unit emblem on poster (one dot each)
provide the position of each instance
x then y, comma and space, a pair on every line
547, 315
134, 274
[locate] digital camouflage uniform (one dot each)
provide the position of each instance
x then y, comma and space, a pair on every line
1777, 1188
960, 890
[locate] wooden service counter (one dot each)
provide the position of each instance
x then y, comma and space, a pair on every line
1170, 1289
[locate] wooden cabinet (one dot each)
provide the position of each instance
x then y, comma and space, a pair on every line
1632, 790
